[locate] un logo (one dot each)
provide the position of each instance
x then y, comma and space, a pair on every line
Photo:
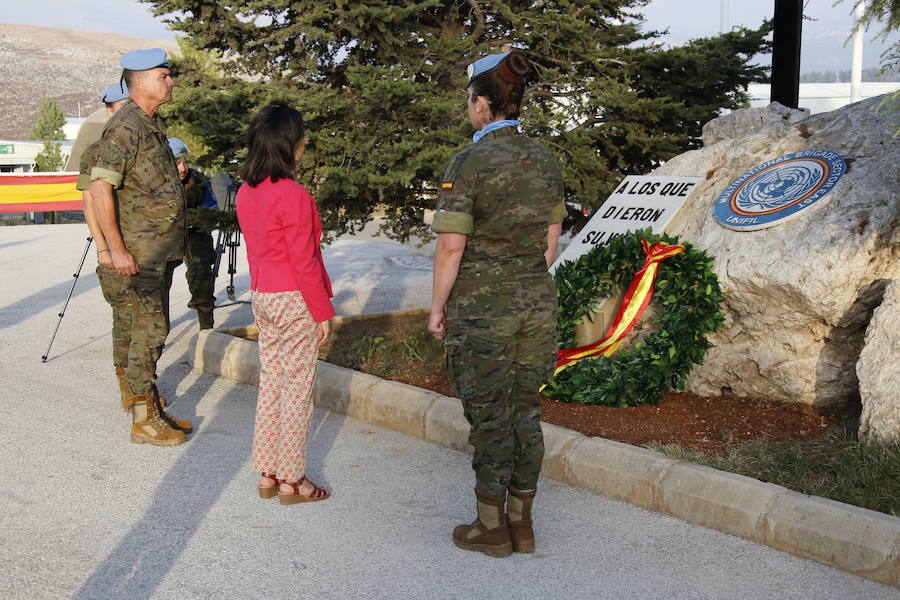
777, 189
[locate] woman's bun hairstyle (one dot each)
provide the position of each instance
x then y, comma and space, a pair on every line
504, 86
514, 70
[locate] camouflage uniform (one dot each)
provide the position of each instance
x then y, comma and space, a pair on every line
113, 284
502, 193
200, 252
134, 157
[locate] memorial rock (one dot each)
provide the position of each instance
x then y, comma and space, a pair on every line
878, 370
746, 121
799, 296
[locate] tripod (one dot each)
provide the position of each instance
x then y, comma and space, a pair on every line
231, 239
69, 297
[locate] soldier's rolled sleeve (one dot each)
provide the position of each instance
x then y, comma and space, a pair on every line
558, 212
110, 177
453, 222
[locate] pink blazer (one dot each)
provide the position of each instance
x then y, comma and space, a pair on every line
282, 231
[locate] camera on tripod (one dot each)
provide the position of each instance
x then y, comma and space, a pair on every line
228, 238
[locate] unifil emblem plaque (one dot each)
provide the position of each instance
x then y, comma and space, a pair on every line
778, 189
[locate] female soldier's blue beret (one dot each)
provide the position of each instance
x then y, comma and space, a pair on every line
485, 65
115, 92
142, 60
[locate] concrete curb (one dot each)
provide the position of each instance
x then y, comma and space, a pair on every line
860, 541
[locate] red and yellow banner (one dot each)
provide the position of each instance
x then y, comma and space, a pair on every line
636, 299
38, 192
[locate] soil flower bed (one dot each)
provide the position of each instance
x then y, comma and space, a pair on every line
398, 347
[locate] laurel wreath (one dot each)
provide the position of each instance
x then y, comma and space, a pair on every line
688, 299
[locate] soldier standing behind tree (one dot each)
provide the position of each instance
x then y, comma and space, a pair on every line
200, 251
144, 227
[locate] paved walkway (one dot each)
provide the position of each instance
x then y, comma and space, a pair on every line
86, 514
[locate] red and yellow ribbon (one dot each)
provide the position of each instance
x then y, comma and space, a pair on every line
636, 299
42, 192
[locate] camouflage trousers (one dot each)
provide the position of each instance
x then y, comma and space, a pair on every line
140, 306
115, 292
501, 347
200, 258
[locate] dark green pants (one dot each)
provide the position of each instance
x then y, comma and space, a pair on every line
501, 347
200, 280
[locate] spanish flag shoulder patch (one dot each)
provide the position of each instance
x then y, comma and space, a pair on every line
447, 186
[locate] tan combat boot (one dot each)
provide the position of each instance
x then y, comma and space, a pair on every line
489, 533
205, 317
149, 427
123, 388
518, 515
179, 424
126, 393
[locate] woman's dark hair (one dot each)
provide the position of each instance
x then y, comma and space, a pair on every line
503, 87
272, 139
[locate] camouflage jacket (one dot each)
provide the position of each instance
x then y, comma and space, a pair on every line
502, 192
87, 161
134, 157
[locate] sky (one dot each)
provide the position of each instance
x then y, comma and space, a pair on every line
824, 36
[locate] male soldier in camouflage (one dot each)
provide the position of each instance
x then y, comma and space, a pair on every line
143, 224
113, 285
200, 252
499, 213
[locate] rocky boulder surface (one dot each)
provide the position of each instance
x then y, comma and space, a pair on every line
878, 370
799, 296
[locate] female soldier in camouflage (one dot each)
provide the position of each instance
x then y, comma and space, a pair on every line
498, 218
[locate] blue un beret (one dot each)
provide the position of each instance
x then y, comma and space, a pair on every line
142, 60
178, 147
115, 92
485, 65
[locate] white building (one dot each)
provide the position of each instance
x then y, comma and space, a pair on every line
822, 97
17, 156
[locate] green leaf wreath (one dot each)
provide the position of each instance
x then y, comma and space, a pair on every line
687, 295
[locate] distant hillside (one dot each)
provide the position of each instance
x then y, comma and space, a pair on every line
69, 66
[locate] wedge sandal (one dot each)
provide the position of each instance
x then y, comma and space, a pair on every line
295, 497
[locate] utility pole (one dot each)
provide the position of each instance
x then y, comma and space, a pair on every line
724, 20
786, 52
856, 65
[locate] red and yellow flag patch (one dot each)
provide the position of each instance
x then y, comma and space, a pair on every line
447, 186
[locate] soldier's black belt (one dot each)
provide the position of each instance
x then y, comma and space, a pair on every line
503, 269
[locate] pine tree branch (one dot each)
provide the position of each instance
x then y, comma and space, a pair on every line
479, 19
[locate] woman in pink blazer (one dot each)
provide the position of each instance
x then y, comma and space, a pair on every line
291, 299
